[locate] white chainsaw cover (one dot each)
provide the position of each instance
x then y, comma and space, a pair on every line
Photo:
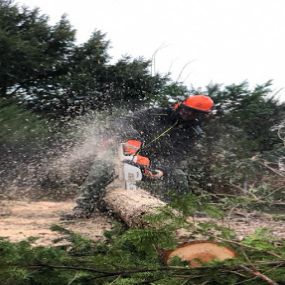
132, 174
128, 174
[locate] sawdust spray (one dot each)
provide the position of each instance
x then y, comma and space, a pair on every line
62, 168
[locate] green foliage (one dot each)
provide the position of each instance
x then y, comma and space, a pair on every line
171, 92
190, 204
132, 256
19, 125
261, 239
42, 68
78, 90
32, 51
255, 112
241, 148
129, 82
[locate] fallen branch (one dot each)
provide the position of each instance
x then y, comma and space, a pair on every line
271, 168
259, 275
280, 263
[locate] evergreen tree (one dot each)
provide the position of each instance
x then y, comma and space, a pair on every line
129, 82
77, 90
253, 111
244, 127
31, 51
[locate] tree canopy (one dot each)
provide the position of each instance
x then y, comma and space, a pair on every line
32, 52
44, 68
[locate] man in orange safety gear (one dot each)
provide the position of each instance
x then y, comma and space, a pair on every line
160, 139
163, 135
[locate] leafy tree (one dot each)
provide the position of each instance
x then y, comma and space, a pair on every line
77, 90
88, 66
19, 126
255, 112
41, 67
244, 127
31, 51
129, 82
23, 136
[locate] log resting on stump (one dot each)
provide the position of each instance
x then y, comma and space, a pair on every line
133, 205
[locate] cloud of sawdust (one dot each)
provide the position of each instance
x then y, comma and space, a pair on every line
90, 136
63, 169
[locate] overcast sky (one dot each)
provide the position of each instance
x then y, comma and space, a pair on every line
198, 41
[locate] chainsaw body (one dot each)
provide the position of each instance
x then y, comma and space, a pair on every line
129, 172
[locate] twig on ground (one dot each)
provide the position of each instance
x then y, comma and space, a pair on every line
259, 275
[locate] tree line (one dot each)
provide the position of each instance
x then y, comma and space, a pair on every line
42, 67
46, 78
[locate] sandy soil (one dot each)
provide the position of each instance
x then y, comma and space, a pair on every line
22, 219
244, 223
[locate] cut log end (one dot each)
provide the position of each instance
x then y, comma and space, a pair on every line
133, 205
199, 252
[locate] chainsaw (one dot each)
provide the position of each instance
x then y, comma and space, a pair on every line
130, 173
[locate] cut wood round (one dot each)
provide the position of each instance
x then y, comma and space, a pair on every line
198, 252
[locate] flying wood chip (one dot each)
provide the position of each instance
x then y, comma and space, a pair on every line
199, 252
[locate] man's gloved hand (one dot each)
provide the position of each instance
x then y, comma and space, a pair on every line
131, 147
153, 174
144, 163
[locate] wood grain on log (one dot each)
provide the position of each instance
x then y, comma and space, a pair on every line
132, 205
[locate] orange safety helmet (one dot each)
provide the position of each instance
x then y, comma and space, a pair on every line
199, 102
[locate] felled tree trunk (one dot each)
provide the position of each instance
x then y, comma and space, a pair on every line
131, 205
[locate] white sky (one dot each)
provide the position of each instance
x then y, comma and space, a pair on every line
219, 41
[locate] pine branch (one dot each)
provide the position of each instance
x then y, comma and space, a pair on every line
259, 275
280, 263
265, 164
247, 246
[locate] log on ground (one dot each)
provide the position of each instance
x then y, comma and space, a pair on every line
132, 205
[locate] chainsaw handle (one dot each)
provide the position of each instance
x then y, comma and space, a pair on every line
146, 170
142, 167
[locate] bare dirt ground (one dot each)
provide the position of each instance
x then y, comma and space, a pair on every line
20, 220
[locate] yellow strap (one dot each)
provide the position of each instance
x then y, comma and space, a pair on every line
158, 137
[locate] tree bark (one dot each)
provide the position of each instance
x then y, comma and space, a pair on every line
131, 205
